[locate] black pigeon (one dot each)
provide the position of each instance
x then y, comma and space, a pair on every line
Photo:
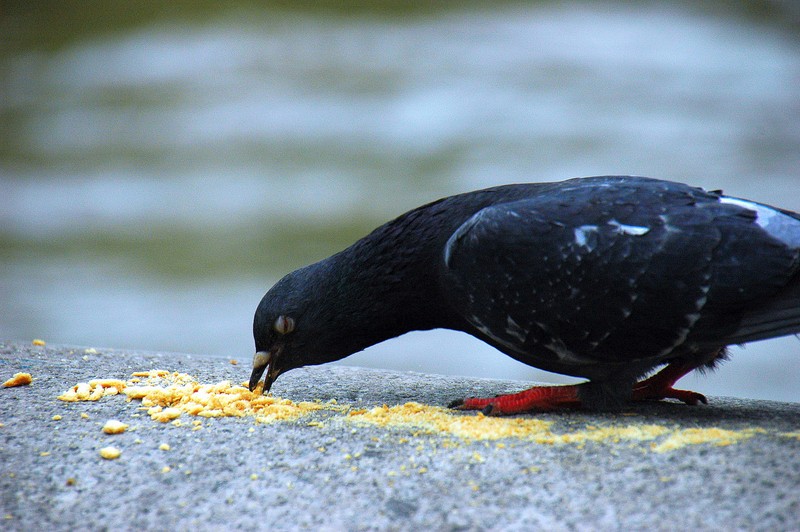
605, 278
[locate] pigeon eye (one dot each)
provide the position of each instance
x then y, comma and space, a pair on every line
283, 324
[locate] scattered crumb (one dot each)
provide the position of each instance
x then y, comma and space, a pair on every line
93, 390
71, 481
114, 426
719, 437
90, 351
110, 453
40, 343
166, 469
234, 362
56, 417
84, 415
253, 477
44, 453
166, 396
164, 447
19, 379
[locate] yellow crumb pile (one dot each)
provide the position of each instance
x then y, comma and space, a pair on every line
168, 395
19, 379
470, 426
93, 390
442, 420
715, 436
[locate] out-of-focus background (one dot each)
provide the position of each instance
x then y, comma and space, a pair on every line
163, 163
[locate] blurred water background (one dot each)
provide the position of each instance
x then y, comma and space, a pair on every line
162, 164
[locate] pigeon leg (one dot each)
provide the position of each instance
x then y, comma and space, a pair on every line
659, 386
538, 398
548, 398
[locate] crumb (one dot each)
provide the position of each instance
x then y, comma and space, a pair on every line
71, 481
234, 362
166, 469
19, 379
56, 417
164, 447
40, 343
113, 426
110, 453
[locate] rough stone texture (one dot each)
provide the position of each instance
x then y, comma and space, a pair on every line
305, 480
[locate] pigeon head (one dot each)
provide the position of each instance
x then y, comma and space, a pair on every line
283, 329
311, 316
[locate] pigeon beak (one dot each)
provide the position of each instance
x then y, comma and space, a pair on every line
262, 361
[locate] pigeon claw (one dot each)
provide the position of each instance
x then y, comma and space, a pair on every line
659, 386
536, 399
458, 404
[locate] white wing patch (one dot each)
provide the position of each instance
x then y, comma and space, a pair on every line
582, 235
778, 225
585, 234
633, 230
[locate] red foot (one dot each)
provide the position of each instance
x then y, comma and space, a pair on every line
538, 398
659, 386
546, 398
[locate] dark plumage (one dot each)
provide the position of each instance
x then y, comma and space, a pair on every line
605, 278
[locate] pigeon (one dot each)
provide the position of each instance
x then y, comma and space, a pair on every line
605, 278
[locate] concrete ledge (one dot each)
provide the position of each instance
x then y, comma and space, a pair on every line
331, 474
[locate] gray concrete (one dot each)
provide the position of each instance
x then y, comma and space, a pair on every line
752, 484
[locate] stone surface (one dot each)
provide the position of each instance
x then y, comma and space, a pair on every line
324, 472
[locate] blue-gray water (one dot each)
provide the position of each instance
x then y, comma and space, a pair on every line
160, 170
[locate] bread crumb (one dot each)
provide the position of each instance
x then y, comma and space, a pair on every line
253, 477
110, 453
234, 362
19, 379
56, 417
44, 453
164, 415
93, 390
84, 415
166, 469
40, 343
164, 447
114, 426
